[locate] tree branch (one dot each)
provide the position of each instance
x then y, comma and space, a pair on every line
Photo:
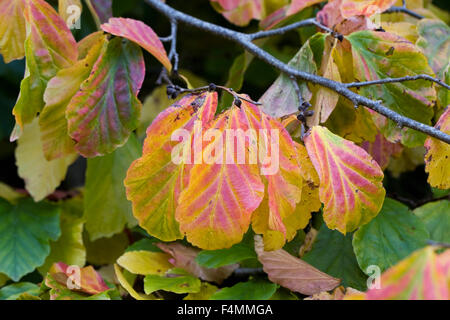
293, 26
402, 79
245, 41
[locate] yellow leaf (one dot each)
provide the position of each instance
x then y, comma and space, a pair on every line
145, 262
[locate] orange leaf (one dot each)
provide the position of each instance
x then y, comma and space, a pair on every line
154, 181
214, 211
350, 8
421, 276
350, 180
293, 273
89, 280
140, 33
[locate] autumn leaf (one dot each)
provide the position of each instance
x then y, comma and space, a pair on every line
101, 10
367, 8
154, 181
421, 276
379, 55
281, 170
350, 180
12, 30
49, 47
41, 176
59, 92
382, 150
104, 112
281, 98
140, 33
67, 10
438, 154
214, 211
145, 262
293, 273
434, 40
240, 12
90, 281
184, 257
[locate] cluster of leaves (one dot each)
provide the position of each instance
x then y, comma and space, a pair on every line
81, 99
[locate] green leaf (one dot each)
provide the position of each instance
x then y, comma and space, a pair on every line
41, 176
281, 99
390, 237
106, 208
105, 250
250, 290
239, 252
25, 232
69, 248
15, 290
436, 216
104, 112
379, 55
176, 280
434, 41
333, 254
144, 245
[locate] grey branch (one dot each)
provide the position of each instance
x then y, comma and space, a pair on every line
402, 79
245, 41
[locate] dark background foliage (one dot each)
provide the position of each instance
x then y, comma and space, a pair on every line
204, 55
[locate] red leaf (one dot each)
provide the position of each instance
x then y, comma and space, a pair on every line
139, 32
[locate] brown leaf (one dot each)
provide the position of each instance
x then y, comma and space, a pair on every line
309, 241
184, 257
293, 273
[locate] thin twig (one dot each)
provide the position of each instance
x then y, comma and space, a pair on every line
401, 79
405, 10
303, 107
438, 244
244, 40
293, 26
173, 54
173, 91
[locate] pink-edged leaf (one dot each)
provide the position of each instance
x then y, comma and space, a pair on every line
350, 8
293, 273
379, 55
140, 33
49, 47
280, 168
100, 9
240, 12
299, 5
421, 276
214, 211
12, 29
155, 180
351, 186
382, 150
227, 4
330, 15
184, 257
85, 279
59, 92
437, 162
105, 111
